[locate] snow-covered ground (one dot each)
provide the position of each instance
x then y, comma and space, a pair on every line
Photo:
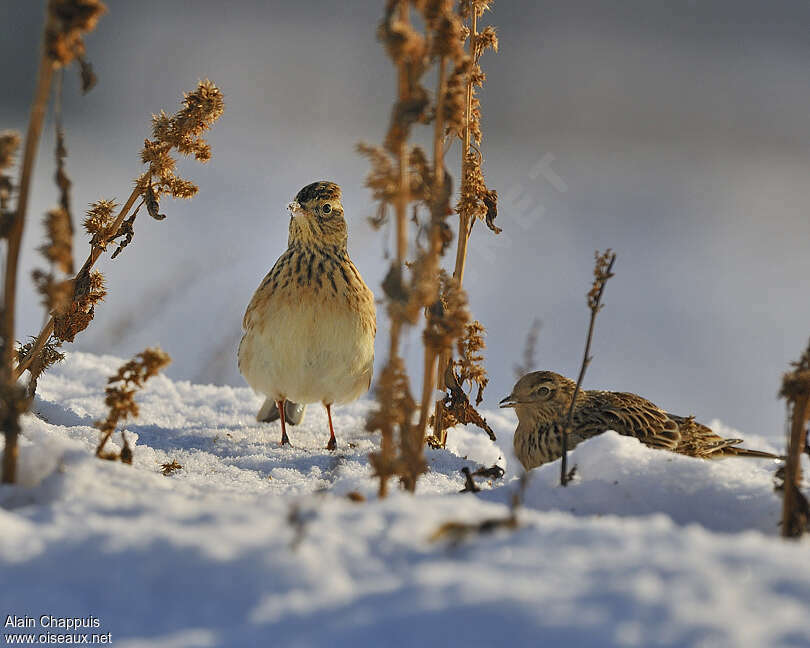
251, 544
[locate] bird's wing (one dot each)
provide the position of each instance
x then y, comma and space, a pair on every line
697, 440
627, 414
262, 292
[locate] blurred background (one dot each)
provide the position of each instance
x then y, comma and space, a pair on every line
675, 133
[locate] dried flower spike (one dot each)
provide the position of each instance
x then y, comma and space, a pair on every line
68, 22
120, 397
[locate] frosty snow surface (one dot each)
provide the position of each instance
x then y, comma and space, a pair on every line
644, 548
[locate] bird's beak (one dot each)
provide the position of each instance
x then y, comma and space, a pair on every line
295, 208
509, 401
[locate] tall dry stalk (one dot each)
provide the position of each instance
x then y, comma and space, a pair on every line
796, 389
71, 301
66, 23
477, 201
390, 182
442, 324
602, 271
402, 176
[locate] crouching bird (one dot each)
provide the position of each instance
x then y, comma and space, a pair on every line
541, 400
309, 328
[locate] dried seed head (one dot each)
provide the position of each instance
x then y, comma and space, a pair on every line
601, 273
9, 143
156, 155
88, 291
99, 221
447, 318
57, 295
381, 179
480, 6
448, 38
401, 41
68, 22
471, 360
180, 132
455, 99
487, 39
120, 398
58, 249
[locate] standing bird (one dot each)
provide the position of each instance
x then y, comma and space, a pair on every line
310, 327
541, 400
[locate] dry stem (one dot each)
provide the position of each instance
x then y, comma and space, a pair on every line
796, 388
402, 157
95, 253
439, 432
429, 377
11, 427
792, 523
602, 272
387, 445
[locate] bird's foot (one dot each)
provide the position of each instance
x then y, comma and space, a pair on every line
285, 440
332, 445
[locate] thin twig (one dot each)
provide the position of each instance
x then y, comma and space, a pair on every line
594, 301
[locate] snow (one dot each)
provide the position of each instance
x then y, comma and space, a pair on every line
254, 544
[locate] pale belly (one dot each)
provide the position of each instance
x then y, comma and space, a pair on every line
308, 353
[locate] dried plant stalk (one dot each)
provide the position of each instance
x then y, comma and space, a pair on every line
180, 132
796, 389
13, 398
602, 271
401, 177
446, 43
66, 23
476, 200
397, 178
120, 398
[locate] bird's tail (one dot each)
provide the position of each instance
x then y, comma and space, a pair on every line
745, 452
293, 412
730, 448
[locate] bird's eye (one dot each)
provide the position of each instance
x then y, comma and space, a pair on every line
326, 209
544, 391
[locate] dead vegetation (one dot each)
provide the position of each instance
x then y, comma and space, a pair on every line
454, 532
70, 297
796, 390
404, 180
602, 271
120, 399
66, 24
170, 467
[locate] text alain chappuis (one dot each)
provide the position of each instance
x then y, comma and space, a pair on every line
54, 629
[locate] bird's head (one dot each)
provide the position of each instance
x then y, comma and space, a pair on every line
317, 215
541, 395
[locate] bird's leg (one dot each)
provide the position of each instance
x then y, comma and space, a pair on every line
284, 439
332, 445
